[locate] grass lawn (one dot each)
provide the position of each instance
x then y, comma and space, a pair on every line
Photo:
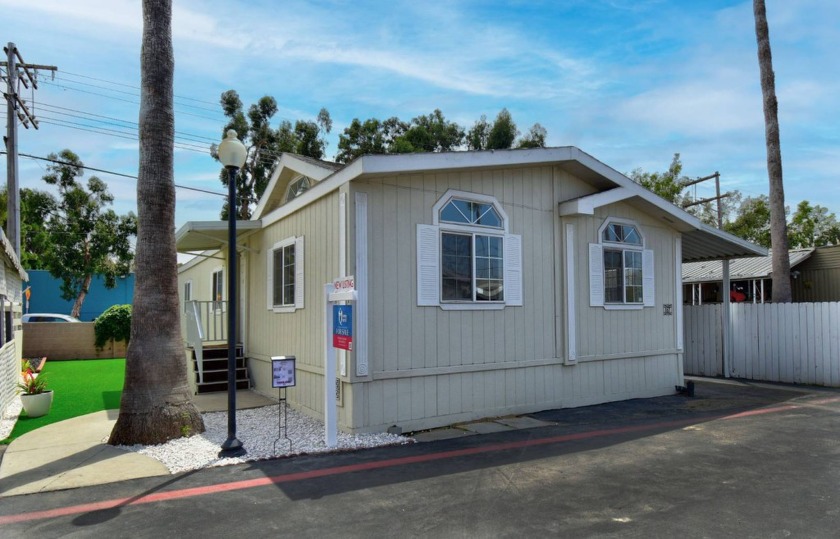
81, 387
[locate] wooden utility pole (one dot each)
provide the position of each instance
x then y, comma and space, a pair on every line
16, 110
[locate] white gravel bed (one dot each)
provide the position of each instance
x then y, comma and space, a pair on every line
10, 417
257, 429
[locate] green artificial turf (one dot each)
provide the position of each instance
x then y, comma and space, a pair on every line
81, 387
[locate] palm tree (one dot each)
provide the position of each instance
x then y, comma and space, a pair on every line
778, 226
156, 403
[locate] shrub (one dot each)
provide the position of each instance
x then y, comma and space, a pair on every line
113, 325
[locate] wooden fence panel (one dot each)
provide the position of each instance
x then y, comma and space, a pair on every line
783, 342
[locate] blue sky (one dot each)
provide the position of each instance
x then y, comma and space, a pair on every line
630, 82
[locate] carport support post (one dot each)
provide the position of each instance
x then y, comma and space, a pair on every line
725, 328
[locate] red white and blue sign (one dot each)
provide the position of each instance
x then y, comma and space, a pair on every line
343, 327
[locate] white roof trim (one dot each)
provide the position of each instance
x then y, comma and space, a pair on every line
406, 163
295, 163
588, 204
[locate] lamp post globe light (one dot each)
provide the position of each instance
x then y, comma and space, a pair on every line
232, 154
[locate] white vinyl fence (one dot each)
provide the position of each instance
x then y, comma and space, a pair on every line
775, 342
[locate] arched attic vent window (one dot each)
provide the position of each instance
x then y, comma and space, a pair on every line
297, 187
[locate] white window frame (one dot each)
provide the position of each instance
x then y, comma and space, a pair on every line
295, 242
597, 277
429, 253
219, 304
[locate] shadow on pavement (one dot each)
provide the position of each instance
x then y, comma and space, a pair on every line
575, 430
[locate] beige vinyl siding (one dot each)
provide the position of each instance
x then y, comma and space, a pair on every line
603, 333
431, 367
299, 333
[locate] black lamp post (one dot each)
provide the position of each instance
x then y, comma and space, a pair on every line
232, 154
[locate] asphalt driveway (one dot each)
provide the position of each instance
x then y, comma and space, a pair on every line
737, 460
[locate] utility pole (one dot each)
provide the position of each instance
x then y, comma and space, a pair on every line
16, 109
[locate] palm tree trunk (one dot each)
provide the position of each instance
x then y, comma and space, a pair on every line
778, 225
156, 403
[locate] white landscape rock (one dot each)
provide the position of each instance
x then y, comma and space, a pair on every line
258, 431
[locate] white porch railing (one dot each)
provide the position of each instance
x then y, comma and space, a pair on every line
206, 321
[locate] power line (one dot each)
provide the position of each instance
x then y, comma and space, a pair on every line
60, 162
198, 138
64, 86
133, 94
131, 86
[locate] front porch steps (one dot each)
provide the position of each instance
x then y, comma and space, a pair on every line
216, 369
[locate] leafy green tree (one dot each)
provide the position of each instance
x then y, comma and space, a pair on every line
668, 185
503, 132
36, 208
431, 133
478, 134
361, 138
85, 237
812, 226
752, 221
265, 144
534, 138
156, 404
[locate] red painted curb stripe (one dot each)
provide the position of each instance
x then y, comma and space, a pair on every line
337, 470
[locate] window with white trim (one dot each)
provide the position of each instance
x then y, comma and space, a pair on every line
285, 275
466, 259
217, 291
620, 268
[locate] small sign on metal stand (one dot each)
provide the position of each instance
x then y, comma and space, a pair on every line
282, 376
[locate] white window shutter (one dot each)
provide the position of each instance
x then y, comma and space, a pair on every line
596, 275
513, 270
270, 279
428, 266
299, 273
647, 278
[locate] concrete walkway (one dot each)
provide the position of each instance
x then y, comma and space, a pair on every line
73, 453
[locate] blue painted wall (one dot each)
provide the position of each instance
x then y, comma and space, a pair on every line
46, 295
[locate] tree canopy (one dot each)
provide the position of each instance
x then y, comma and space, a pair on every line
74, 235
36, 208
265, 144
433, 133
749, 217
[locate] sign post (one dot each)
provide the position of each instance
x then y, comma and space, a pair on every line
338, 324
282, 376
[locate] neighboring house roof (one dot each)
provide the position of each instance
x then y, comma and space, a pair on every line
700, 241
11, 257
739, 268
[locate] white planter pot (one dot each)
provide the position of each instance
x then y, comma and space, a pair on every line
37, 405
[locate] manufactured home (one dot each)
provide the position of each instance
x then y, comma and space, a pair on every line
487, 283
12, 277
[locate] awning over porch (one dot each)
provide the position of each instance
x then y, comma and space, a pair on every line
197, 236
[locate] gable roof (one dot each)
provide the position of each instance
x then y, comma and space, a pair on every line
288, 167
700, 241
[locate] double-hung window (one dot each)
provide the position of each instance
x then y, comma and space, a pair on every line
620, 268
285, 275
466, 260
